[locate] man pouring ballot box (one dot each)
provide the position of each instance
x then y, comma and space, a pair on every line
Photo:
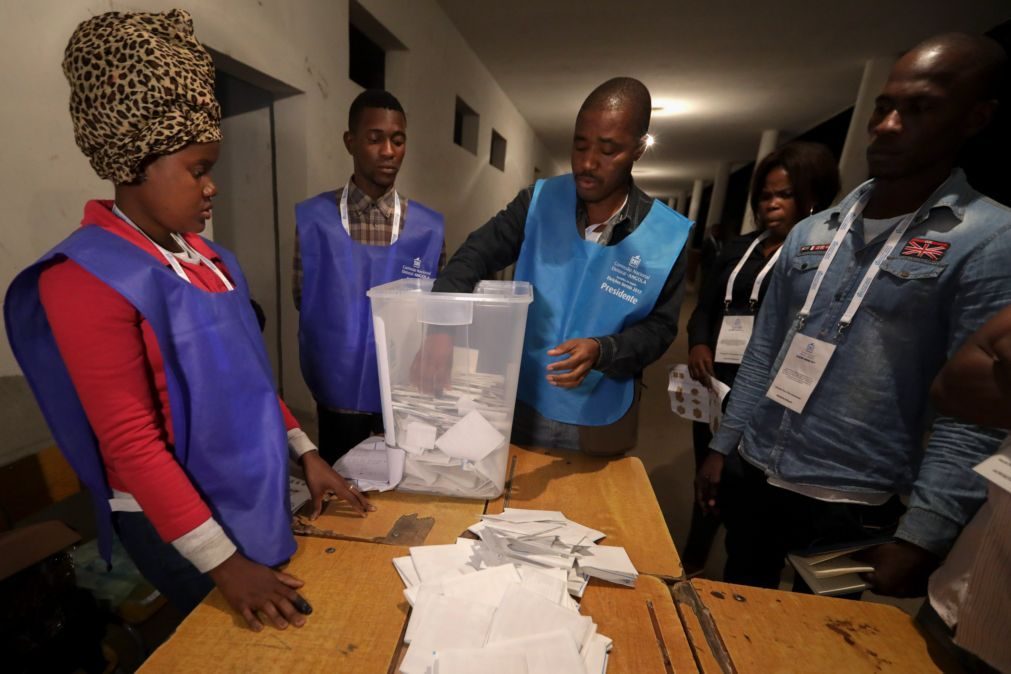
606, 262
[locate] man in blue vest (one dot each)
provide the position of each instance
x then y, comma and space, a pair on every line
350, 240
606, 262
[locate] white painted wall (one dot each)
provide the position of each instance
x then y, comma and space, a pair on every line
44, 179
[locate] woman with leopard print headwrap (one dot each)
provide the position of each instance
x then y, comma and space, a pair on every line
140, 343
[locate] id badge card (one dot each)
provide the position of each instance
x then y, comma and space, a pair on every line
802, 369
735, 333
997, 469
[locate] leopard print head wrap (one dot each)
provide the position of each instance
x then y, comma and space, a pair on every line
140, 85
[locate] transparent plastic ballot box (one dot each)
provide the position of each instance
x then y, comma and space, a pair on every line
449, 365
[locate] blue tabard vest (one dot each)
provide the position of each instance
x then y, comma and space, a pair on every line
230, 436
582, 289
337, 347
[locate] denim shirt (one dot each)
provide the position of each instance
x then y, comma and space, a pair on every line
864, 429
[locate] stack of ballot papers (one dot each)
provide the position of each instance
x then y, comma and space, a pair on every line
372, 466
456, 442
505, 603
831, 570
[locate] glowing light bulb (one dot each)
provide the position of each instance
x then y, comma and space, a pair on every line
650, 140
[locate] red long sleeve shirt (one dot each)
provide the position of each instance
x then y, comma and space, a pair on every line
114, 361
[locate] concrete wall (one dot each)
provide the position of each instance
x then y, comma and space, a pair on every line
301, 45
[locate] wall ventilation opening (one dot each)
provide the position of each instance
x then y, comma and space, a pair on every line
368, 44
465, 126
498, 151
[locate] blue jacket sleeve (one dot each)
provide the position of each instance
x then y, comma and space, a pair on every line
947, 492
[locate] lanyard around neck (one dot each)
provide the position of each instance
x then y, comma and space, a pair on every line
396, 213
847, 224
756, 289
170, 257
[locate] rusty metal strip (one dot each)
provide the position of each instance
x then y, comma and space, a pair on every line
398, 654
661, 644
408, 530
684, 593
509, 482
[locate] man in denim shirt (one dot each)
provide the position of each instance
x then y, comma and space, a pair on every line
833, 473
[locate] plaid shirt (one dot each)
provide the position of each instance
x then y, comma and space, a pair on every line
371, 223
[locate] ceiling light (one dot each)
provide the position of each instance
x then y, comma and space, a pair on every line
669, 107
650, 140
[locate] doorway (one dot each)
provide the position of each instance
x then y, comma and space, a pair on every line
246, 210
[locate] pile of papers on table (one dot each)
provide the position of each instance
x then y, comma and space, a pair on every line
504, 603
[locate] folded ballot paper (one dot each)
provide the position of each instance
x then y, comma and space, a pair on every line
505, 603
372, 466
298, 491
832, 570
691, 399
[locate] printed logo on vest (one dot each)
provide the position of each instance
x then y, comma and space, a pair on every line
625, 281
814, 248
415, 270
926, 249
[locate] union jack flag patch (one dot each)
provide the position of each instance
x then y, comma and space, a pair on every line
925, 248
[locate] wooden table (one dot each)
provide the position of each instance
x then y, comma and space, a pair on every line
614, 496
644, 625
359, 614
745, 629
662, 626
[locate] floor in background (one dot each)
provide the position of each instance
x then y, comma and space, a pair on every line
665, 445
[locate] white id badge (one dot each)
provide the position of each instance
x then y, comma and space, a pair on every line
802, 368
735, 333
997, 469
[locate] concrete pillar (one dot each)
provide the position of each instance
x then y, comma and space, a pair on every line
853, 162
680, 201
719, 194
768, 142
693, 209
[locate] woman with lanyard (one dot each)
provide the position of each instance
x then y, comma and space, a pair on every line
139, 340
789, 184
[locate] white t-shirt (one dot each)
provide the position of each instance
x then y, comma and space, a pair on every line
875, 228
970, 590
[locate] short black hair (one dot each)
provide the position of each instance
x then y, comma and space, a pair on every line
623, 93
372, 98
813, 173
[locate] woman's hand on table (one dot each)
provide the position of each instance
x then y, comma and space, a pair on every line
323, 480
253, 589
